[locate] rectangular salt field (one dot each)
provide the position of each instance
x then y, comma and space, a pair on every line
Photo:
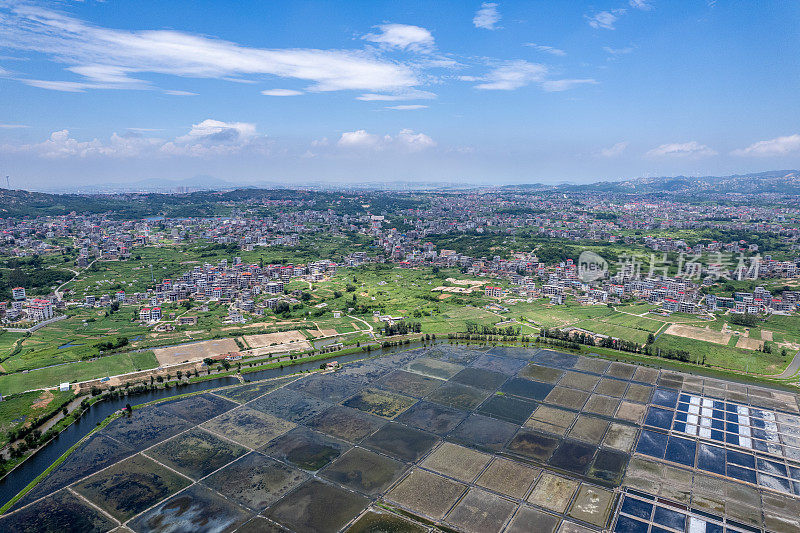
462, 439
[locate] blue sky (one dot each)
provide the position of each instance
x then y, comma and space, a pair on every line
373, 91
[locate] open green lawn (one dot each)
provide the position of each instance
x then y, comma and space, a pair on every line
726, 356
543, 314
636, 309
19, 409
634, 322
7, 340
608, 328
72, 339
81, 371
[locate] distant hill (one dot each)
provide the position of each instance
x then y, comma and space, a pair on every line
772, 182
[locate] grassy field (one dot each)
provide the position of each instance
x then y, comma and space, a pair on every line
80, 371
726, 356
16, 411
608, 328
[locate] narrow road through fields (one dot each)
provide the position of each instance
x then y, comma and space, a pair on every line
791, 370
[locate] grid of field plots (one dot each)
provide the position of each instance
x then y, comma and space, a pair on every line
450, 438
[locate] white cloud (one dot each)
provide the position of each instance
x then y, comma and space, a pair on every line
413, 94
547, 49
618, 51
61, 145
407, 107
406, 140
109, 58
689, 149
773, 147
12, 126
179, 93
604, 19
402, 37
217, 131
281, 92
209, 137
487, 16
553, 86
358, 139
614, 151
510, 75
414, 142
641, 4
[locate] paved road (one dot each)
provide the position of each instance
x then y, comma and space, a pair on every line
792, 369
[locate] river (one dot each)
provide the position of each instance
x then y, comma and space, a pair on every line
37, 463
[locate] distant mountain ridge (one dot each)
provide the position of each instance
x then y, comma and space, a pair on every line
774, 181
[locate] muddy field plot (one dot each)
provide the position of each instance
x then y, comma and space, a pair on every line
380, 403
529, 519
131, 486
426, 494
541, 373
408, 383
305, 449
601, 405
508, 477
432, 417
483, 432
503, 365
194, 509
246, 393
95, 454
249, 427
551, 419
620, 437
197, 409
525, 388
364, 471
456, 461
480, 378
196, 351
345, 423
196, 453
291, 405
145, 427
458, 396
534, 445
698, 334
569, 398
589, 429
401, 442
378, 520
454, 354
434, 368
328, 387
481, 511
508, 408
256, 481
317, 506
578, 380
608, 467
553, 492
592, 505
62, 511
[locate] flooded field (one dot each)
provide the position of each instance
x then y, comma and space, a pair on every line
500, 439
